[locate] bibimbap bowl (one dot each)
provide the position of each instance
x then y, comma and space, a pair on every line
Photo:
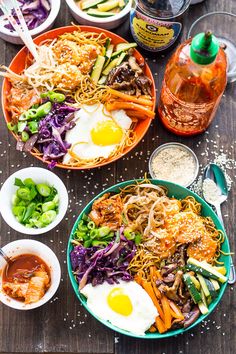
178, 192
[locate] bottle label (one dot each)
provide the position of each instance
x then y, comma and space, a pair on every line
151, 34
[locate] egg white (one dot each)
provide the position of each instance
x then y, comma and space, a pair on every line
86, 119
143, 314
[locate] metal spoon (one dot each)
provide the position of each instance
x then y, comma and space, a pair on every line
3, 254
215, 173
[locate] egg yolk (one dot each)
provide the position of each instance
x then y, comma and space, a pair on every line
106, 133
119, 302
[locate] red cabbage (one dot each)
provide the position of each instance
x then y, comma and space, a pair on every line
35, 12
52, 129
96, 265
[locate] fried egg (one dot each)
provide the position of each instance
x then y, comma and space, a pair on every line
126, 305
97, 133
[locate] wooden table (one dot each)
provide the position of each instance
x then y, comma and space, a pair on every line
63, 325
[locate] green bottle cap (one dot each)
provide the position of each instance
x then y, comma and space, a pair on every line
204, 48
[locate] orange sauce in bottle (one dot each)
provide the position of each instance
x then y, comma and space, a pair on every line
191, 92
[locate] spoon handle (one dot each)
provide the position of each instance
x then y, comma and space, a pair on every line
232, 273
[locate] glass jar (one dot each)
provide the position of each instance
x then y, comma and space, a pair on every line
156, 24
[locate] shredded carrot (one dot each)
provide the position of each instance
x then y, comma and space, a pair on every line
130, 105
175, 310
166, 310
160, 325
158, 274
148, 287
135, 114
152, 329
153, 280
138, 279
140, 100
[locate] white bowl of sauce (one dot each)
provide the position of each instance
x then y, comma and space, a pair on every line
31, 278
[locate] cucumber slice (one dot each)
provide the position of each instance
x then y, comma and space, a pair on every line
87, 4
207, 268
213, 292
125, 46
203, 308
195, 282
108, 5
215, 284
108, 43
110, 66
195, 294
108, 54
97, 13
203, 285
102, 80
97, 69
121, 58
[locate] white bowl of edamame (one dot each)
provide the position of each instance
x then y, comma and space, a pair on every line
33, 200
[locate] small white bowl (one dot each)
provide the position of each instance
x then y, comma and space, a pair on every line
37, 248
38, 175
107, 22
182, 147
12, 37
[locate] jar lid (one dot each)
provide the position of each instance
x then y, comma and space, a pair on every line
164, 9
204, 48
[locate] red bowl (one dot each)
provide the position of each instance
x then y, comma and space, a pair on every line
18, 65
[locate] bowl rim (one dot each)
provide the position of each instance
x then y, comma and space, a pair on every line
28, 243
55, 8
71, 4
216, 220
59, 31
183, 147
62, 192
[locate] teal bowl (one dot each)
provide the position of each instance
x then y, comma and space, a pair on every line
179, 192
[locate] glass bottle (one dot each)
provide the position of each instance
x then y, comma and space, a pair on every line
194, 82
156, 24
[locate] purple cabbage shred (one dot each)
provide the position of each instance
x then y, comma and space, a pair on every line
96, 265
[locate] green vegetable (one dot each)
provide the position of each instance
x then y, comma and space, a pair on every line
43, 110
48, 217
21, 126
24, 193
33, 127
48, 206
43, 189
34, 205
195, 294
54, 96
205, 269
29, 211
11, 127
24, 136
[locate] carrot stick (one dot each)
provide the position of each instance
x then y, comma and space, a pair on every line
143, 101
148, 287
135, 114
166, 310
176, 310
160, 325
153, 280
152, 329
130, 105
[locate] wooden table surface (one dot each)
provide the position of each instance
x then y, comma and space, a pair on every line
62, 325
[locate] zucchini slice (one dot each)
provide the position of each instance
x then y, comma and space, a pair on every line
203, 285
195, 294
97, 69
207, 269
